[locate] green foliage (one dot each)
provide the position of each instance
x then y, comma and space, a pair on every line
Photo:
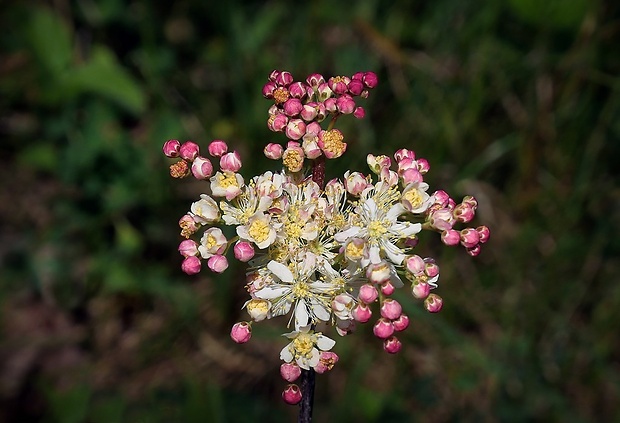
515, 102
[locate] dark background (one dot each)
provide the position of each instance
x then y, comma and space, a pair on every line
515, 102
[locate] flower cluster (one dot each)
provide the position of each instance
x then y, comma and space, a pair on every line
321, 254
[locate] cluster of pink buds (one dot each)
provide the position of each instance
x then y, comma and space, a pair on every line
323, 254
300, 107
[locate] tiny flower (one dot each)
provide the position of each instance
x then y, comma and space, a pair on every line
188, 248
273, 151
359, 112
415, 264
277, 122
331, 142
327, 361
292, 394
295, 129
189, 150
258, 310
356, 86
483, 233
292, 107
171, 148
420, 289
338, 84
309, 111
202, 168
284, 78
368, 293
342, 305
243, 251
226, 184
391, 309
217, 148
305, 347
415, 199
392, 345
331, 105
474, 251
230, 162
205, 210
451, 237
315, 79
361, 313
383, 328
290, 372
370, 79
355, 182
379, 273
323, 92
293, 157
433, 303
191, 265
268, 89
469, 237
217, 263
179, 169
345, 104
464, 213
241, 332
297, 90
310, 146
188, 225
212, 242
387, 288
258, 230
401, 323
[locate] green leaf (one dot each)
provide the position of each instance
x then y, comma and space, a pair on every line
103, 75
50, 40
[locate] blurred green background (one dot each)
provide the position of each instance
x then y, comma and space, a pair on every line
515, 102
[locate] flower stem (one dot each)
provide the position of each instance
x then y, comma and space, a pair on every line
318, 171
307, 399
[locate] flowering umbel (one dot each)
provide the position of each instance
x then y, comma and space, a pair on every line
319, 253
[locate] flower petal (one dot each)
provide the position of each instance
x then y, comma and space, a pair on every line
324, 343
281, 271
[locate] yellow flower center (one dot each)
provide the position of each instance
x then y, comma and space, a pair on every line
227, 179
259, 306
332, 142
414, 198
280, 95
292, 159
301, 290
259, 230
211, 242
354, 251
376, 229
303, 345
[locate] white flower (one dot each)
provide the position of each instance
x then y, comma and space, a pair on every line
213, 242
311, 299
415, 198
226, 184
259, 230
304, 347
377, 224
205, 210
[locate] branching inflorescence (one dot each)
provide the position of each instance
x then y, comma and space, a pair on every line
319, 253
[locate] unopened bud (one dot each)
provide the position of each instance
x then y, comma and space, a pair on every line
241, 332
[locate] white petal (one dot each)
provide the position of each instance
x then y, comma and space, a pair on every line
396, 210
269, 293
314, 360
320, 312
301, 315
324, 343
394, 253
373, 254
286, 355
281, 271
349, 233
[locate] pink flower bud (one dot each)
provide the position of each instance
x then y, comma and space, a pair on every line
474, 251
217, 148
483, 233
292, 394
404, 153
420, 290
309, 112
241, 332
290, 372
295, 129
230, 162
411, 176
315, 79
202, 168
368, 293
355, 183
345, 104
292, 107
298, 90
469, 238
423, 166
171, 148
356, 86
464, 213
415, 264
191, 265
370, 79
268, 89
387, 288
430, 268
217, 263
273, 151
331, 105
401, 323
468, 199
383, 328
188, 248
338, 84
392, 345
450, 237
361, 313
378, 273
433, 303
188, 225
391, 309
441, 197
284, 78
359, 113
278, 122
243, 251
274, 75
189, 150
327, 361
311, 146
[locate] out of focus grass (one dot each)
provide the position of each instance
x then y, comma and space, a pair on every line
517, 103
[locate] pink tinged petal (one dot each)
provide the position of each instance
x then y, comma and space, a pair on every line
281, 271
